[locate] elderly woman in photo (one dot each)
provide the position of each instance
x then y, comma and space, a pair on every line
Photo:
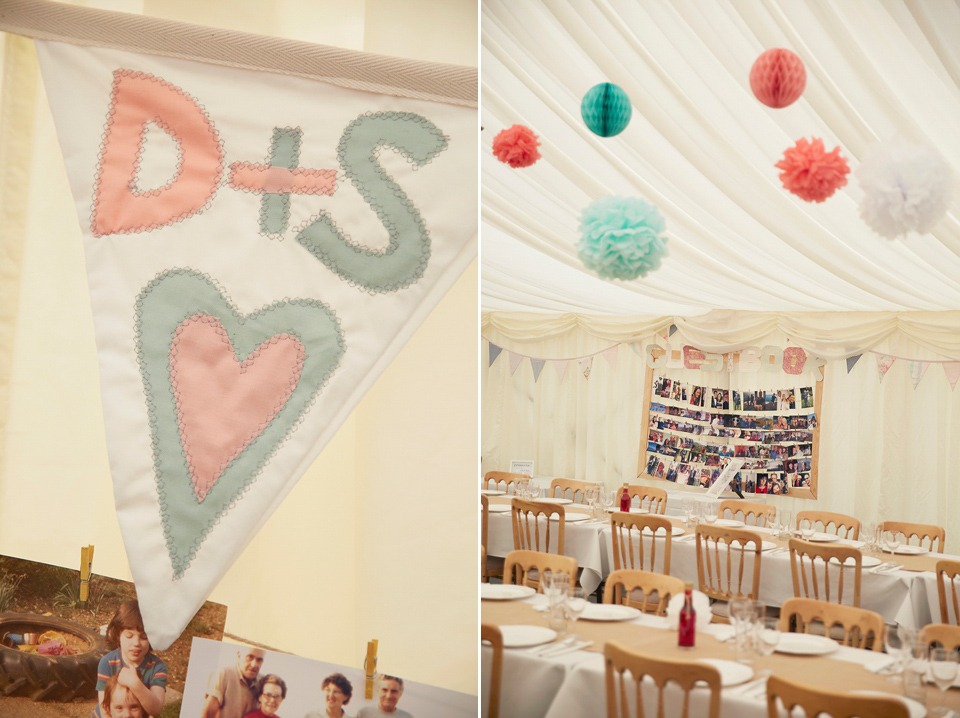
270, 692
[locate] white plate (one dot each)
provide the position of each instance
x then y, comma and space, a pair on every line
521, 636
674, 530
916, 709
609, 612
504, 592
865, 561
728, 523
908, 550
499, 508
731, 672
821, 537
767, 545
571, 516
553, 501
491, 492
803, 644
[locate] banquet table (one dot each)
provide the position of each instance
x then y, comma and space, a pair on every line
572, 685
906, 596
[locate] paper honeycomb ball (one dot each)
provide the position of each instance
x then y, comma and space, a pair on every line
606, 109
778, 77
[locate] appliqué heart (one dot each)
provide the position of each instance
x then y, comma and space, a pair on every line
224, 390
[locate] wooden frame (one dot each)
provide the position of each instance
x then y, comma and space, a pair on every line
793, 492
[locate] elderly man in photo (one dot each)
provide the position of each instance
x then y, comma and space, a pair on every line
230, 691
388, 689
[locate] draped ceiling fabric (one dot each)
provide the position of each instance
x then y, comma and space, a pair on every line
749, 263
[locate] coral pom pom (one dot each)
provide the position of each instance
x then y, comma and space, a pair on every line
811, 173
778, 77
906, 188
622, 237
516, 146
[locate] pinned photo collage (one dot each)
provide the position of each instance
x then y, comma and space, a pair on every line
693, 428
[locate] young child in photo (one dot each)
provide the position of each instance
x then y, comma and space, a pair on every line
120, 702
137, 670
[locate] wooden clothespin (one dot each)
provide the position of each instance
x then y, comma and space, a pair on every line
370, 666
86, 568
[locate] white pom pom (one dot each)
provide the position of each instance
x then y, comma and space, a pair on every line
906, 188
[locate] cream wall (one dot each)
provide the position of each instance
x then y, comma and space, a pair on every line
371, 542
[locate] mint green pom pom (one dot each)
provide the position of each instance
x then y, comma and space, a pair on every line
606, 109
622, 237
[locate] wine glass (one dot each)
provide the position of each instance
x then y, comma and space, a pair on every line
576, 604
686, 505
897, 641
891, 541
710, 512
806, 529
784, 522
744, 613
767, 638
943, 670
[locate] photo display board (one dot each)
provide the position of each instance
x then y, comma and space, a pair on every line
760, 405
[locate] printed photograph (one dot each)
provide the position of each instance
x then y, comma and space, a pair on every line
64, 637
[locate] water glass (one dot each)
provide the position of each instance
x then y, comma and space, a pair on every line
766, 639
806, 529
709, 511
899, 642
687, 505
891, 541
744, 615
575, 605
914, 674
784, 522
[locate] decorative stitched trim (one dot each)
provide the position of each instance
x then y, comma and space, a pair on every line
433, 81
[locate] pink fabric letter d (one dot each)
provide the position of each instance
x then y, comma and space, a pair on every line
139, 98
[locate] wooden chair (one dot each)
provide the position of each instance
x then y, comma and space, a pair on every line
815, 701
850, 626
529, 533
824, 561
523, 568
632, 545
645, 590
762, 514
931, 533
656, 499
573, 486
942, 634
492, 634
843, 525
508, 480
948, 573
620, 660
716, 548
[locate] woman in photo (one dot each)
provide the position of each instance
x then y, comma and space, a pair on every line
696, 396
337, 691
270, 693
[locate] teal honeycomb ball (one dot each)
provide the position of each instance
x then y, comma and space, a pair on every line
606, 109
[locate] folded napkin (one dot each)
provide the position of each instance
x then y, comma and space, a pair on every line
701, 604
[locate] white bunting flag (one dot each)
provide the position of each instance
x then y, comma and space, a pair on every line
259, 245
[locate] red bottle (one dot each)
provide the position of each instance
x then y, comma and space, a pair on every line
625, 498
688, 620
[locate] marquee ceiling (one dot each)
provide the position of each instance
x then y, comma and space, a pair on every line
702, 149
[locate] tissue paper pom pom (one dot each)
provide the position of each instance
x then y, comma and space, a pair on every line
621, 237
778, 77
516, 146
606, 109
811, 173
906, 188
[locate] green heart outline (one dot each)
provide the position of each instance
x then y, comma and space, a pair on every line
162, 305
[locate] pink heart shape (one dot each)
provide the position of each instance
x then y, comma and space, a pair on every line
224, 404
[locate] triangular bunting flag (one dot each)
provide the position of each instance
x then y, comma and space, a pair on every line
636, 348
492, 353
611, 355
671, 330
952, 370
537, 366
515, 360
561, 367
259, 246
884, 362
851, 362
917, 370
585, 366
